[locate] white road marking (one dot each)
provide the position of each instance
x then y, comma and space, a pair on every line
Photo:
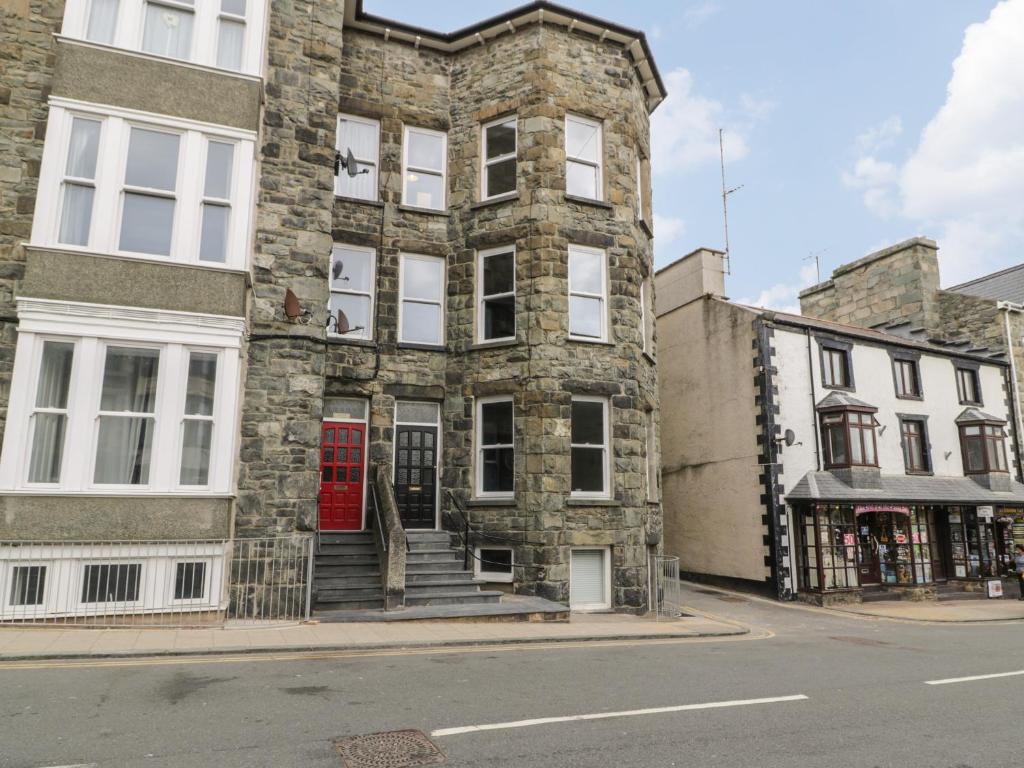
605, 715
949, 680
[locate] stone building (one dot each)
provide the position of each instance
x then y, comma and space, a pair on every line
812, 459
274, 268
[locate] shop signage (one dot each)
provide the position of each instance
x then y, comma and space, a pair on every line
985, 513
863, 509
901, 538
995, 588
961, 571
849, 539
915, 537
954, 517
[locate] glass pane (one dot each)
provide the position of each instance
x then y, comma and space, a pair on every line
123, 450
499, 273
582, 140
129, 380
344, 408
146, 224
168, 31
869, 446
102, 21
54, 375
585, 272
219, 159
581, 180
421, 323
230, 43
585, 316
28, 585
837, 445
47, 447
424, 190
356, 313
76, 214
362, 186
496, 560
425, 151
351, 270
213, 245
152, 159
195, 453
588, 423
588, 470
501, 178
111, 583
500, 318
422, 278
501, 139
83, 148
975, 456
498, 470
361, 138
856, 455
202, 380
416, 413
189, 581
236, 7
496, 428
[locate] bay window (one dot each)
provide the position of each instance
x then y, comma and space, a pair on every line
146, 399
421, 299
496, 287
588, 293
226, 34
498, 167
424, 168
983, 446
583, 158
589, 440
495, 437
352, 292
849, 439
113, 183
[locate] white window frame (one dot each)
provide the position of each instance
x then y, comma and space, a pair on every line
603, 296
480, 446
482, 299
599, 165
606, 447
651, 464
607, 603
639, 187
129, 28
403, 258
108, 201
94, 328
375, 161
486, 163
368, 332
480, 571
407, 131
208, 564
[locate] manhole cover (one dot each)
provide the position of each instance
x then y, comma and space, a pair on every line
731, 599
391, 749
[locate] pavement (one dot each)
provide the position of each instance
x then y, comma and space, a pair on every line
947, 611
56, 642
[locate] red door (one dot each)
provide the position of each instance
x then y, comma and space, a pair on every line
342, 457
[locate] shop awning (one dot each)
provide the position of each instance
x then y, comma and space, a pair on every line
824, 486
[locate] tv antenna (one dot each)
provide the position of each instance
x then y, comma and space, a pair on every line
816, 255
349, 163
725, 202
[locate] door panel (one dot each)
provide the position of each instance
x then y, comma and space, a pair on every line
416, 475
342, 475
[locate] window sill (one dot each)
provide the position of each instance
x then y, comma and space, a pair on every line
654, 502
359, 201
424, 347
588, 201
975, 403
596, 342
650, 358
335, 340
647, 228
425, 211
577, 501
493, 578
917, 398
837, 388
508, 501
496, 200
497, 344
920, 473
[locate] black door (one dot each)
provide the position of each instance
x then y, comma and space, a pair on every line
416, 475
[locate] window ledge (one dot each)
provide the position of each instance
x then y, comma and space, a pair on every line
576, 501
588, 201
650, 358
496, 200
425, 211
595, 342
509, 501
920, 473
838, 388
425, 347
499, 344
336, 340
646, 227
975, 403
918, 398
653, 503
358, 201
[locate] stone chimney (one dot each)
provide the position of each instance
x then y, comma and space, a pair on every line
697, 274
897, 283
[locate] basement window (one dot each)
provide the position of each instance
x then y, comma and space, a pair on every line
494, 564
28, 584
190, 581
111, 583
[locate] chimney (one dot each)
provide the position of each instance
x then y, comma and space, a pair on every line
697, 274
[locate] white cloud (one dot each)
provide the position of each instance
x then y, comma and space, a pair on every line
964, 182
667, 229
879, 137
684, 129
697, 14
784, 297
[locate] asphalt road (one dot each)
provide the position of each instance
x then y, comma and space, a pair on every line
868, 702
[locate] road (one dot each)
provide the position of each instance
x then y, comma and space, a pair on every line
868, 701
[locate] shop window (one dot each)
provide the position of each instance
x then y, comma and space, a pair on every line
494, 564
496, 451
583, 153
968, 388
983, 447
424, 168
829, 548
361, 137
922, 544
352, 292
849, 439
835, 368
972, 544
496, 320
916, 456
589, 447
588, 294
907, 377
499, 158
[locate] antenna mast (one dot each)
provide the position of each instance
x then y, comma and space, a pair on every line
725, 203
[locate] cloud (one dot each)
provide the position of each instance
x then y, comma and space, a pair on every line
697, 14
879, 137
667, 229
684, 129
785, 297
964, 181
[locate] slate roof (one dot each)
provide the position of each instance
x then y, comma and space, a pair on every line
843, 400
824, 486
976, 414
1005, 285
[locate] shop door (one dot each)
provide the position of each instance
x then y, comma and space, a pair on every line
869, 565
416, 475
342, 457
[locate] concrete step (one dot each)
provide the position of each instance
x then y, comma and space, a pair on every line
348, 581
348, 549
346, 560
432, 566
349, 605
463, 597
357, 593
326, 571
432, 556
441, 587
420, 577
344, 537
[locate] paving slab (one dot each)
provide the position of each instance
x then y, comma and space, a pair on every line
947, 611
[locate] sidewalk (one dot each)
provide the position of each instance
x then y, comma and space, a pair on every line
18, 643
954, 611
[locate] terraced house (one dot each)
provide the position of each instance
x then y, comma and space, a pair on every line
276, 269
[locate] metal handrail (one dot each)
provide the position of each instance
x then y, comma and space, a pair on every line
378, 522
467, 527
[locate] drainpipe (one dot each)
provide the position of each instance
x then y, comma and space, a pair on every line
1006, 308
814, 403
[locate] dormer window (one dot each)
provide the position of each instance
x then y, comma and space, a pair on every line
907, 377
836, 369
968, 387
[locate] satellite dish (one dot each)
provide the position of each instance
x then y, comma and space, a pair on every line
789, 437
292, 308
349, 163
341, 323
337, 269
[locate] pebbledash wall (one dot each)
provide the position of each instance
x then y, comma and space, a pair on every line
536, 72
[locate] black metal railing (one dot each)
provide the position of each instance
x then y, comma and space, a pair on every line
376, 520
464, 529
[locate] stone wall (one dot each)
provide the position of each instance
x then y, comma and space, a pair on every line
27, 58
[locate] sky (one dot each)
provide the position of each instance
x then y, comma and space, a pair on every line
850, 124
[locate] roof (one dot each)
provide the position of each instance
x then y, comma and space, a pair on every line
843, 400
539, 11
824, 486
1005, 285
971, 415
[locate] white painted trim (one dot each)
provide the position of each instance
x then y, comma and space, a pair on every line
403, 257
368, 333
598, 166
156, 118
607, 602
438, 452
481, 256
407, 130
494, 576
485, 163
606, 493
603, 296
478, 446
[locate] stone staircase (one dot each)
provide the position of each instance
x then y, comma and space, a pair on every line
346, 573
436, 575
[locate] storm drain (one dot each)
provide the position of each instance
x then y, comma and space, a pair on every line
391, 749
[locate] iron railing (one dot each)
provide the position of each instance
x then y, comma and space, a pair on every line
155, 583
462, 527
666, 594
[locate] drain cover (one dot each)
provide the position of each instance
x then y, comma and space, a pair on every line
391, 749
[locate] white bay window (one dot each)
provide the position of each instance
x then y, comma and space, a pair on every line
113, 181
588, 294
226, 34
112, 400
583, 158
